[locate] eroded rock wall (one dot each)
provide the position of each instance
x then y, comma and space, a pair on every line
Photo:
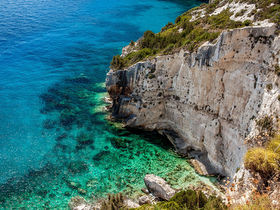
206, 101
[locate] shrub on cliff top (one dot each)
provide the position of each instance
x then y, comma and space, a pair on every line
222, 20
117, 62
274, 145
190, 35
263, 161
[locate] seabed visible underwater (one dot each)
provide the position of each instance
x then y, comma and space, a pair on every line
92, 156
55, 141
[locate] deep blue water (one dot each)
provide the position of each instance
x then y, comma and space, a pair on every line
45, 43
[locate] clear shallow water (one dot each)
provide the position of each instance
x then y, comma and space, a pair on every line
54, 139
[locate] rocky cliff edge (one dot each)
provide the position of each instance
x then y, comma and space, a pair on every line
206, 102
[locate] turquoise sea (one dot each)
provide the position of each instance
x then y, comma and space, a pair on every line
55, 141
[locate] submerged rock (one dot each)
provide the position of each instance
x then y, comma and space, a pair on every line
42, 193
49, 124
52, 195
119, 143
82, 191
158, 187
81, 79
100, 155
92, 183
67, 193
67, 118
73, 185
77, 167
84, 139
60, 137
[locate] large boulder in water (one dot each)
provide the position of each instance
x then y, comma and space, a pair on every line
158, 187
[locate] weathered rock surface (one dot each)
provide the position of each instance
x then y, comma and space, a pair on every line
199, 167
207, 101
131, 204
158, 187
79, 203
145, 190
144, 199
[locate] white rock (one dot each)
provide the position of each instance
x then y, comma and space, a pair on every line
158, 187
79, 203
235, 8
144, 200
131, 204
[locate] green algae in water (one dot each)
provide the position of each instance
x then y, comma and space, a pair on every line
93, 157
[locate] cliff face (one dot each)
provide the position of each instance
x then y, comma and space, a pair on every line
206, 101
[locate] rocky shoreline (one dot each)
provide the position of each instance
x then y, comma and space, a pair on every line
207, 97
212, 103
157, 190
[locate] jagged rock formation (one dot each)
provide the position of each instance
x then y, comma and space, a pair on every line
207, 101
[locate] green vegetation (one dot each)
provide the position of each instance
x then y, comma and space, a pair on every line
266, 9
189, 199
119, 62
262, 161
265, 125
274, 145
269, 87
265, 161
191, 34
114, 202
241, 13
222, 21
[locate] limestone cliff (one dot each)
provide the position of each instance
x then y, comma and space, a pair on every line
206, 102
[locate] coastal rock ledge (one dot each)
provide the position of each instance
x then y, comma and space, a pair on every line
207, 101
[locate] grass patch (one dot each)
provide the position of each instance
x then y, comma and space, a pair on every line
189, 199
190, 35
264, 160
265, 125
